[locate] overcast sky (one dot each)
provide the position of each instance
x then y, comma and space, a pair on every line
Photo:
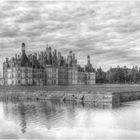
109, 31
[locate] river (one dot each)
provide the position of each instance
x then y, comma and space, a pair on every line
52, 119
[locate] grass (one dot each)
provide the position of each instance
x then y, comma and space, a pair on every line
96, 88
43, 92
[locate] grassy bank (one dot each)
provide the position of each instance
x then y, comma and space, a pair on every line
94, 93
97, 88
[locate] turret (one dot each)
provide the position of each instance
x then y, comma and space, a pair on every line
7, 62
70, 54
59, 58
47, 49
69, 58
23, 48
88, 60
54, 57
24, 59
88, 67
73, 60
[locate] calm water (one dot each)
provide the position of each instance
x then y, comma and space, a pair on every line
46, 119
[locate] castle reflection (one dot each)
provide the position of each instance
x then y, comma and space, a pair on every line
48, 113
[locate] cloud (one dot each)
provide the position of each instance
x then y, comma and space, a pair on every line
109, 31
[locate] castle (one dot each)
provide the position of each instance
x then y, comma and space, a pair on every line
46, 68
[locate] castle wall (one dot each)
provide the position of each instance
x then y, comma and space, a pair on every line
90, 78
46, 69
51, 75
72, 75
81, 78
62, 76
35, 76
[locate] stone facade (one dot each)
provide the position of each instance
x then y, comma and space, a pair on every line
51, 73
1, 81
46, 68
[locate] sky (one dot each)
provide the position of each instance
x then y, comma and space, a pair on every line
108, 31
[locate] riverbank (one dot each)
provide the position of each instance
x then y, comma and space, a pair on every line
105, 93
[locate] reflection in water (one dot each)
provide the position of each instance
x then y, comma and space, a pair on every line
51, 119
45, 112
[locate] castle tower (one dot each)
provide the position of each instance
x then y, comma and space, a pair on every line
73, 60
70, 59
70, 54
54, 57
23, 48
88, 60
24, 59
47, 49
59, 58
50, 55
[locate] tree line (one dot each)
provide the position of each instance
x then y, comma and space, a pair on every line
119, 75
